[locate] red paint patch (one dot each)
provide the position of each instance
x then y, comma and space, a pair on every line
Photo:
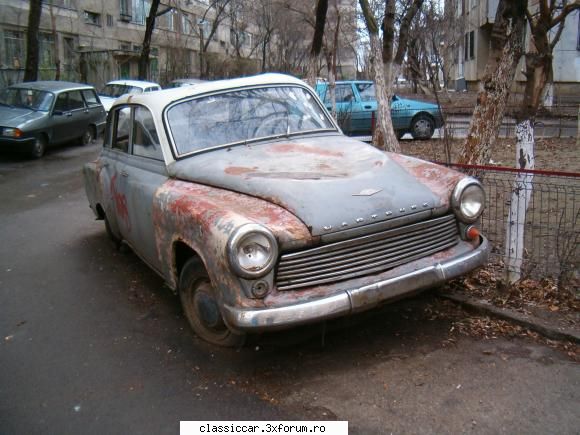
297, 148
120, 203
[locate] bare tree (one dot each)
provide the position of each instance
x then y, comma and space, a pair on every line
32, 45
317, 39
386, 64
146, 48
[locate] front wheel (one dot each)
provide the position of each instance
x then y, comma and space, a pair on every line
39, 147
200, 304
422, 127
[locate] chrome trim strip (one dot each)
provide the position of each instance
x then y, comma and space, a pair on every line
354, 299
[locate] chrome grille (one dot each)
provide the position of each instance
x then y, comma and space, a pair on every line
364, 255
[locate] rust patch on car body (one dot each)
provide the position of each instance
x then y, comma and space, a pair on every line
203, 218
439, 179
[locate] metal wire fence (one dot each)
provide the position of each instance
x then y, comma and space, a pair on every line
550, 232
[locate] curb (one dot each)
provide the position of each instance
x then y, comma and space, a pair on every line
533, 323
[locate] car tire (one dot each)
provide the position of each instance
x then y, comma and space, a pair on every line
117, 242
200, 305
88, 136
39, 147
422, 127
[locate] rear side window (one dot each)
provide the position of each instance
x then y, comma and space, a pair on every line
145, 139
90, 97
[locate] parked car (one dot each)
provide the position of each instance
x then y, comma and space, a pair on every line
247, 199
117, 88
356, 107
177, 83
35, 115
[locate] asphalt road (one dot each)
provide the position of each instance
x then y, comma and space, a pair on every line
92, 342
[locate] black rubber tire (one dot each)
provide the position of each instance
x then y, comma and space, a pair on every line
422, 127
88, 136
39, 147
201, 307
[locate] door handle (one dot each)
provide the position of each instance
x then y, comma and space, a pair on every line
368, 107
124, 174
68, 113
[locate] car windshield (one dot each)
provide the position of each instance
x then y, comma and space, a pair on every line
366, 91
116, 90
26, 98
244, 115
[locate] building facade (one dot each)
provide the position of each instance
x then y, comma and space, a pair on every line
478, 17
95, 41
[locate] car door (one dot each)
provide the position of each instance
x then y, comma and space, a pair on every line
113, 175
144, 173
69, 116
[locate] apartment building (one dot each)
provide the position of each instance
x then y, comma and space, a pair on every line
472, 55
95, 41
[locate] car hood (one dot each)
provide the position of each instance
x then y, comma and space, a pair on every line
332, 183
17, 116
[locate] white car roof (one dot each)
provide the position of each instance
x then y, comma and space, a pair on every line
136, 83
160, 99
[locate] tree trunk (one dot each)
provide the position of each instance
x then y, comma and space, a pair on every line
498, 78
146, 49
384, 136
32, 46
520, 199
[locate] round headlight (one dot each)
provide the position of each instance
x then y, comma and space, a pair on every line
252, 251
468, 200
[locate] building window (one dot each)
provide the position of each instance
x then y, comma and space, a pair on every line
140, 9
46, 51
92, 18
578, 42
469, 46
110, 22
125, 10
13, 49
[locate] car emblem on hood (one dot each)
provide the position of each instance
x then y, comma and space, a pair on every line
367, 192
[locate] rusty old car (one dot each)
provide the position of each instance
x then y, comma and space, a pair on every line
245, 196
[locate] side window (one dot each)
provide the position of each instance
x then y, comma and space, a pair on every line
343, 94
75, 100
62, 102
145, 139
122, 122
90, 97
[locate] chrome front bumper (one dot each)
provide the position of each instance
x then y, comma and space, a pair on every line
357, 299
